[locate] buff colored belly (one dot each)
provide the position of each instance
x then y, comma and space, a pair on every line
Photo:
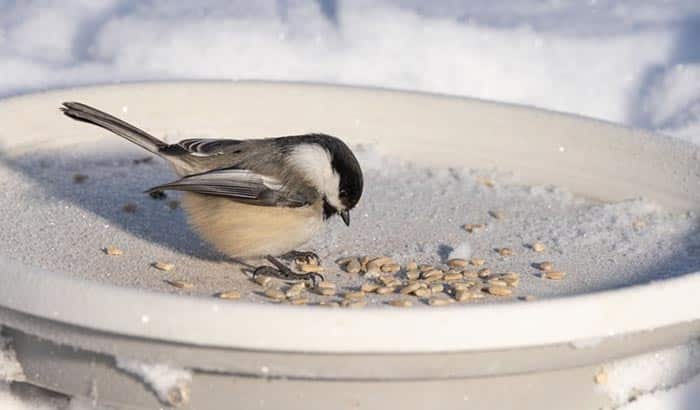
243, 231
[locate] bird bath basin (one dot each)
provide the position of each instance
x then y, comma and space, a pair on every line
83, 327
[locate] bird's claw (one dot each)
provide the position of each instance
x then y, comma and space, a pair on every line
281, 271
306, 257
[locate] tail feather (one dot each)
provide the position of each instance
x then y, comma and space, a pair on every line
85, 113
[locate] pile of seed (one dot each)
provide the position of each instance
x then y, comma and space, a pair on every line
461, 280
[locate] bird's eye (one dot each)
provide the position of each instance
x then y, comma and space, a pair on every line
343, 193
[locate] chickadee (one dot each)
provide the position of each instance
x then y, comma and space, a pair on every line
252, 198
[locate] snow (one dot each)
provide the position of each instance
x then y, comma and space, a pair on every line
13, 401
683, 397
649, 381
171, 384
634, 62
10, 368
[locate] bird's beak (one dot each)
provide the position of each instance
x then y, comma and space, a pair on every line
346, 216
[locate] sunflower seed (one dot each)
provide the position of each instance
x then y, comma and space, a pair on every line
499, 291
471, 228
391, 268
411, 266
383, 290
497, 282
486, 182
422, 292
484, 273
554, 275
363, 263
344, 261
353, 303
510, 276
457, 263
163, 266
505, 251
309, 268
545, 266
433, 274
477, 261
229, 294
325, 288
410, 288
401, 303
369, 287
372, 270
452, 277
497, 214
413, 274
353, 266
377, 263
439, 302
180, 284
462, 296
386, 279
263, 281
538, 247
113, 251
326, 285
463, 285
354, 295
437, 288
601, 377
275, 294
299, 301
295, 290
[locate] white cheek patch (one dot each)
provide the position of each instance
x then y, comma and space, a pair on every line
314, 162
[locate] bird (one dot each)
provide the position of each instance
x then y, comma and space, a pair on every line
252, 198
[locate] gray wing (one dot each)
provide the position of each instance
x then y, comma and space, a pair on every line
240, 185
207, 147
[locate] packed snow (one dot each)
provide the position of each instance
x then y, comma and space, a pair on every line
634, 62
628, 61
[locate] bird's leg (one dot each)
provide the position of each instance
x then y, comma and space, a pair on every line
306, 257
281, 271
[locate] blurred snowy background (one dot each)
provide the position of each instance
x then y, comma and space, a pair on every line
635, 62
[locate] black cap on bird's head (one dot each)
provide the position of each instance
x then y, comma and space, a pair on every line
350, 181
